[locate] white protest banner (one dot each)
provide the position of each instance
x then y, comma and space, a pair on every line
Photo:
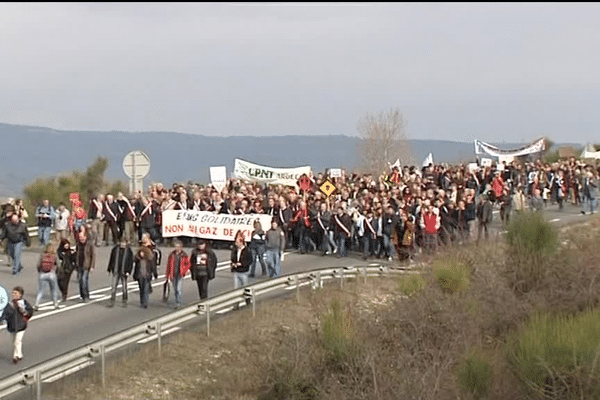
486, 162
208, 225
258, 173
218, 177
506, 159
486, 148
471, 167
335, 172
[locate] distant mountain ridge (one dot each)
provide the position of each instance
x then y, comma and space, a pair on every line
30, 152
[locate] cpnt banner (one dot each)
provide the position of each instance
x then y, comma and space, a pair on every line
276, 176
208, 225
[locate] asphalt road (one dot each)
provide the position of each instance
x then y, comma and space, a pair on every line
53, 332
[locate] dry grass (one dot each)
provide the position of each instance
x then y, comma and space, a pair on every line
367, 341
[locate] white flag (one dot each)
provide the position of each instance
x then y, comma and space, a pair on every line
395, 164
428, 160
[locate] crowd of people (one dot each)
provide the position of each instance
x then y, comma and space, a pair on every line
392, 216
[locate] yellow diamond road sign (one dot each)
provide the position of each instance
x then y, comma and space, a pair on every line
327, 188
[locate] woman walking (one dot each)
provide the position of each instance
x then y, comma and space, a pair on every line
66, 257
47, 275
145, 269
241, 258
16, 314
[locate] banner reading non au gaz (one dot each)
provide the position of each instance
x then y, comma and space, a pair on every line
208, 225
276, 176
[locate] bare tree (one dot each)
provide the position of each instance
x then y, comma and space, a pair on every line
383, 139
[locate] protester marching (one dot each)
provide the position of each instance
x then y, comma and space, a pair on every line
396, 216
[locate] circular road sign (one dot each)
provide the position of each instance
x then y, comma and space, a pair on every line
3, 298
136, 164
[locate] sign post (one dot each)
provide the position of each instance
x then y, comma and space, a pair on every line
136, 166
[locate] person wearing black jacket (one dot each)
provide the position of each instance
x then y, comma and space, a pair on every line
241, 258
341, 225
16, 314
144, 270
203, 266
16, 235
257, 247
120, 265
111, 217
66, 256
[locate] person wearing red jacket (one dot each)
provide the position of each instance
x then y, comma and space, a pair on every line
178, 264
498, 186
303, 225
430, 223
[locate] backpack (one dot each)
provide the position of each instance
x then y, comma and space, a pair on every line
48, 262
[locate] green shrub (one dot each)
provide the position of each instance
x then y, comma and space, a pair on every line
532, 242
452, 276
411, 283
557, 356
475, 375
337, 335
531, 232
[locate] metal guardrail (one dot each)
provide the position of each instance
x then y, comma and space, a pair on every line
84, 356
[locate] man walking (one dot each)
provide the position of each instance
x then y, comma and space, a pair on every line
275, 245
120, 265
484, 216
204, 266
86, 261
178, 264
45, 217
16, 235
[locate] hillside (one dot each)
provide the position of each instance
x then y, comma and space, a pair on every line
34, 151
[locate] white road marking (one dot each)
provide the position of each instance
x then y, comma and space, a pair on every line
95, 296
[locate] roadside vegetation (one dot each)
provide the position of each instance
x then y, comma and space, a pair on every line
57, 188
514, 318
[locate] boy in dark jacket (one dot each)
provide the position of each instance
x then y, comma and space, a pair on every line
16, 314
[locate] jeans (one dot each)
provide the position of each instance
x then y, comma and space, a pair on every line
202, 283
116, 279
367, 244
44, 234
274, 262
258, 251
144, 284
240, 279
15, 251
84, 283
48, 278
340, 241
388, 247
590, 203
177, 288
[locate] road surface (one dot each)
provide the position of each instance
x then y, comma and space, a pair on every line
53, 332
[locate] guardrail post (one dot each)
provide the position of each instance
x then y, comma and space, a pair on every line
38, 383
297, 288
159, 338
319, 283
342, 278
364, 271
207, 311
103, 364
253, 300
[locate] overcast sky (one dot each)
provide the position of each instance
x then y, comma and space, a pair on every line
494, 72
